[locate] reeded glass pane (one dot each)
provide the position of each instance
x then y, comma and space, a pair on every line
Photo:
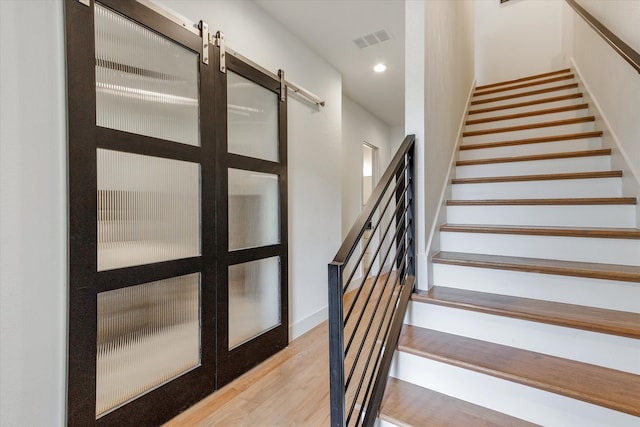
252, 119
145, 83
253, 209
148, 209
254, 299
147, 335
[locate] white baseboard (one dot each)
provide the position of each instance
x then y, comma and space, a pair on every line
306, 324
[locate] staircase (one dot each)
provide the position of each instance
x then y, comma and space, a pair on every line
533, 317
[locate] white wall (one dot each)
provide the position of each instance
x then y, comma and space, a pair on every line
397, 136
517, 38
33, 218
620, 16
359, 126
414, 113
446, 81
314, 145
613, 86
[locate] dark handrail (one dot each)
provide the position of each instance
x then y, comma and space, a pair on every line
358, 373
623, 49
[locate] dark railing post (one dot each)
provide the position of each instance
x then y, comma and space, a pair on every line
400, 217
411, 264
336, 346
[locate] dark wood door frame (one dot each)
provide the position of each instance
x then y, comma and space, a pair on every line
238, 360
85, 137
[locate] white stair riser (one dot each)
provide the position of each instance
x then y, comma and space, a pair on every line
583, 249
502, 85
477, 95
524, 109
592, 187
564, 115
529, 133
622, 216
531, 149
528, 403
599, 293
536, 167
606, 294
606, 350
520, 99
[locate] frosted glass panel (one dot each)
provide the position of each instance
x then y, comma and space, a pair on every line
252, 119
254, 299
148, 209
253, 209
147, 335
145, 83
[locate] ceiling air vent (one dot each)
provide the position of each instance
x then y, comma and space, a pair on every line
371, 39
361, 43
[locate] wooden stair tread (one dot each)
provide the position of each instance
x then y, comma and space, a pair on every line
542, 177
488, 91
601, 320
549, 156
527, 103
624, 273
528, 114
610, 233
528, 93
528, 126
606, 387
407, 404
544, 202
537, 140
524, 79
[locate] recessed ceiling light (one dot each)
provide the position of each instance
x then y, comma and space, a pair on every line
379, 68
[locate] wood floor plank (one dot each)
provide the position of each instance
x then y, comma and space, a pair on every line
524, 79
529, 158
544, 202
610, 233
409, 405
530, 126
527, 93
290, 388
612, 389
489, 91
542, 177
527, 103
528, 114
537, 140
624, 273
611, 322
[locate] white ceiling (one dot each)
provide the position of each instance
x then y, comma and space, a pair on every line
329, 28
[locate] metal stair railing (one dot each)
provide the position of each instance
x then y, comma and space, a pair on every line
370, 281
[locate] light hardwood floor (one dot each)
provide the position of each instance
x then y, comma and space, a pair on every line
292, 387
289, 389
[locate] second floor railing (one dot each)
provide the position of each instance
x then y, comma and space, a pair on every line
370, 282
